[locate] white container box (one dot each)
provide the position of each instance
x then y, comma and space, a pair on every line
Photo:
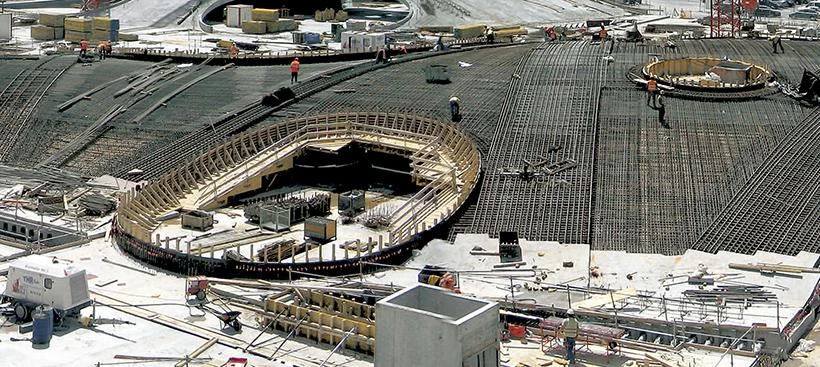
5, 26
237, 14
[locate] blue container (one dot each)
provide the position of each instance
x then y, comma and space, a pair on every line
312, 38
43, 320
114, 35
115, 25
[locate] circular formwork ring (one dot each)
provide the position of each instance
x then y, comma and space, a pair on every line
136, 220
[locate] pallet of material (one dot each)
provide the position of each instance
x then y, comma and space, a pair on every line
52, 20
324, 15
129, 37
520, 31
78, 24
341, 16
74, 36
42, 33
104, 35
265, 15
272, 27
436, 29
101, 23
285, 25
254, 27
469, 31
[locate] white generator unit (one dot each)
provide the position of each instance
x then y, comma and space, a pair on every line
40, 280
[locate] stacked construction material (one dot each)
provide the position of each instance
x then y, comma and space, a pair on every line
509, 32
97, 204
324, 15
50, 27
269, 16
129, 37
356, 25
42, 33
286, 248
285, 25
254, 27
238, 14
341, 16
105, 29
77, 29
468, 31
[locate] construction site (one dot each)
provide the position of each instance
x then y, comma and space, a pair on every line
409, 183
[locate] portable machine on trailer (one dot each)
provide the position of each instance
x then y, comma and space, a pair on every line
39, 280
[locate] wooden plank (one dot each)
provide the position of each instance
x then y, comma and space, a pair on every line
202, 348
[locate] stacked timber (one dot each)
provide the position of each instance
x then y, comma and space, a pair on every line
271, 20
468, 31
254, 27
105, 29
42, 33
77, 29
510, 32
265, 15
287, 248
286, 25
54, 24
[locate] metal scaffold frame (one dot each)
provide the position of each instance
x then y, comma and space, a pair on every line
719, 19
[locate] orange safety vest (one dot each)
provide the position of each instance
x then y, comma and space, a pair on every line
83, 45
294, 66
652, 85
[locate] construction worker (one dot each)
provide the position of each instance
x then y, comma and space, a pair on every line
455, 116
234, 50
602, 33
439, 45
569, 327
777, 42
661, 109
101, 50
83, 47
549, 34
490, 35
294, 71
652, 89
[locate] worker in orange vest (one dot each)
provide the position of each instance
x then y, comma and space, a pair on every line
83, 47
294, 71
101, 50
652, 88
234, 50
602, 33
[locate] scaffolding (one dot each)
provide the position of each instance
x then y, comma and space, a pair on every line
724, 20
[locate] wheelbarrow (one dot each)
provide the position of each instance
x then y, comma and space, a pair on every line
230, 318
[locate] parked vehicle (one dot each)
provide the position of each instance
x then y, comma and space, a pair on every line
765, 11
804, 15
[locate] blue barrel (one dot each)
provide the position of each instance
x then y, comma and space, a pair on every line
43, 320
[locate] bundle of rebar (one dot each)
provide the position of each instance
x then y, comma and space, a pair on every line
285, 248
731, 294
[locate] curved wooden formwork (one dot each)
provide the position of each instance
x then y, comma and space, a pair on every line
444, 161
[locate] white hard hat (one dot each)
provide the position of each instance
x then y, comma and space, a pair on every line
571, 312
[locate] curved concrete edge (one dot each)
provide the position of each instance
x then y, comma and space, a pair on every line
201, 12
